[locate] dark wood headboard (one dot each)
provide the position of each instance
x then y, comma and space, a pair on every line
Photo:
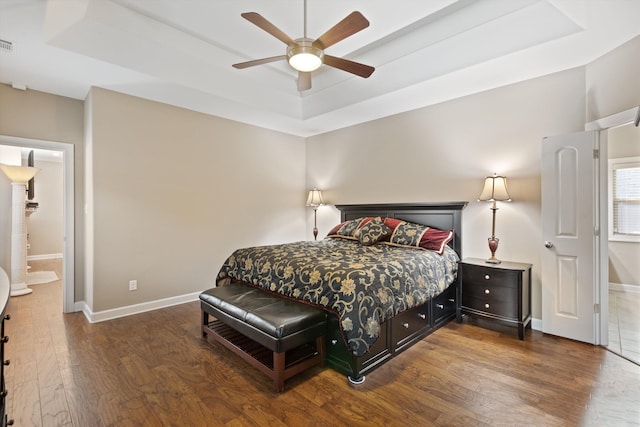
445, 216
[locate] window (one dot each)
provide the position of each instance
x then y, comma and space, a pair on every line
624, 199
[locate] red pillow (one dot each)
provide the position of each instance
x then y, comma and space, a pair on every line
335, 229
392, 223
435, 240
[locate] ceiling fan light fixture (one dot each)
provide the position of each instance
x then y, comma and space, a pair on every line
302, 56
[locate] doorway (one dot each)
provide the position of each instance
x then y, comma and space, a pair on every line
607, 129
623, 179
68, 233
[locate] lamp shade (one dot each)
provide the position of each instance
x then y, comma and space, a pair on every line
315, 198
495, 189
19, 174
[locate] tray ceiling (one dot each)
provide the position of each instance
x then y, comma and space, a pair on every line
180, 52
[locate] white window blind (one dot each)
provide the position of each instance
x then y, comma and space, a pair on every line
624, 199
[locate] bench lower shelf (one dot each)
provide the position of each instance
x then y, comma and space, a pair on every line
278, 366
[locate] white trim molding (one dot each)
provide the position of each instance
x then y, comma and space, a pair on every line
614, 120
44, 256
101, 316
536, 324
621, 287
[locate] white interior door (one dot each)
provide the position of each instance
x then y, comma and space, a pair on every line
568, 224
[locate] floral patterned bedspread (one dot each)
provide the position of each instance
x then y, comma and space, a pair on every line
363, 285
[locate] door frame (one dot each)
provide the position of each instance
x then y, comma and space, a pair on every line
68, 232
601, 290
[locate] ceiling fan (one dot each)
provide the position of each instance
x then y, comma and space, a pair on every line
306, 55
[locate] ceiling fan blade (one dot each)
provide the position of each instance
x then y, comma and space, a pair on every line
260, 21
304, 81
347, 27
248, 64
349, 66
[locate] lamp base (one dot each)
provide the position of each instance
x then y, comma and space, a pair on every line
18, 289
493, 247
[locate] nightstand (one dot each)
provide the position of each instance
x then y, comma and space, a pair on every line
495, 291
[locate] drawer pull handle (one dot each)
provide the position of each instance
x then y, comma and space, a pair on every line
7, 362
422, 316
334, 342
406, 325
486, 306
7, 317
487, 291
487, 277
440, 306
452, 300
5, 339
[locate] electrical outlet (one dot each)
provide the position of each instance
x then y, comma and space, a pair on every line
133, 285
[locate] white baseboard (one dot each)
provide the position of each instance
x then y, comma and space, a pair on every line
101, 316
45, 256
536, 324
621, 287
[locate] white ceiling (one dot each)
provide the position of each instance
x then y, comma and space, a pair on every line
180, 52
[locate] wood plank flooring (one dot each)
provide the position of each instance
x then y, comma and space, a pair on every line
155, 369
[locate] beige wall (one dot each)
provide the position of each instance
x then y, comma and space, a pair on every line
613, 86
46, 223
624, 257
443, 153
174, 192
148, 222
38, 115
613, 81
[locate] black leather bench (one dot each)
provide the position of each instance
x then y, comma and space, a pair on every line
278, 336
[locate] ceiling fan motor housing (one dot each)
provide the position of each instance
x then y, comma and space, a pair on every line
302, 56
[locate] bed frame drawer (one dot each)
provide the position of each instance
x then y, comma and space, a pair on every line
444, 306
409, 325
342, 360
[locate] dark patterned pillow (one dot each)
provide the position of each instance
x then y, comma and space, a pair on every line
408, 234
372, 232
347, 229
421, 236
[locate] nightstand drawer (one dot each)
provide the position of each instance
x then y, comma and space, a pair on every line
488, 291
483, 275
508, 309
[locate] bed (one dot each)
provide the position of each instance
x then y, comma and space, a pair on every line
386, 276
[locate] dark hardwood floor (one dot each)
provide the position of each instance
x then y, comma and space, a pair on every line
155, 369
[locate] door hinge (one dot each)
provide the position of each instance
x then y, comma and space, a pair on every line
596, 308
596, 231
596, 153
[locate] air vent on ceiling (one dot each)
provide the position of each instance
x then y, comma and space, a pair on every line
6, 46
